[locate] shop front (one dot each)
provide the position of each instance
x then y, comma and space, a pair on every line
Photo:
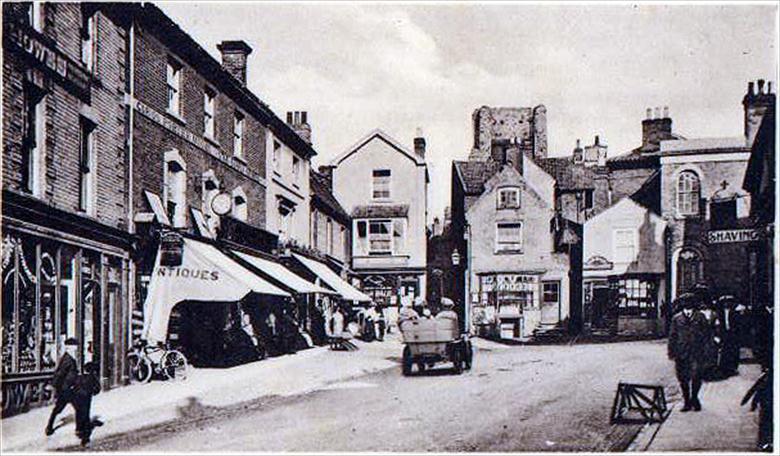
513, 305
390, 291
58, 285
626, 305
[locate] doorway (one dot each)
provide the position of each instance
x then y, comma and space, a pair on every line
551, 302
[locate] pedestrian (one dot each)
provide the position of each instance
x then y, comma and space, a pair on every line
447, 311
688, 338
86, 386
714, 346
729, 359
763, 352
407, 312
63, 382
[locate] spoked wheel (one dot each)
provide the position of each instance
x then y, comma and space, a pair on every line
174, 365
140, 369
406, 366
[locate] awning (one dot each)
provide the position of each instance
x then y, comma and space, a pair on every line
332, 279
282, 274
206, 274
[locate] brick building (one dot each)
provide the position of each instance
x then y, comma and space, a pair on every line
706, 207
66, 203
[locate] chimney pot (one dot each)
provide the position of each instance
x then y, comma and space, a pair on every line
578, 143
649, 114
769, 87
234, 57
289, 117
666, 112
597, 140
657, 113
419, 142
760, 86
304, 117
750, 88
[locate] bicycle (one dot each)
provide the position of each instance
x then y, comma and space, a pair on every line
146, 361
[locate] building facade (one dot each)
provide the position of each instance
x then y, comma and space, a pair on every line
706, 207
624, 271
388, 220
331, 226
66, 246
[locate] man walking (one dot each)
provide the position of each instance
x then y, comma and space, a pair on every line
689, 339
64, 380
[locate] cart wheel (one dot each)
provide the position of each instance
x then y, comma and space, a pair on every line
406, 366
174, 365
457, 361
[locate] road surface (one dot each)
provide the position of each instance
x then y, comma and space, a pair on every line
520, 398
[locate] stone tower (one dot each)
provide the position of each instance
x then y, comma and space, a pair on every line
525, 126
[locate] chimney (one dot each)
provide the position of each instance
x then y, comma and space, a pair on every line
327, 172
595, 154
299, 122
756, 104
419, 143
234, 55
577, 153
656, 129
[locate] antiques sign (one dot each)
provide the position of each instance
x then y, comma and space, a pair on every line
732, 236
37, 48
198, 141
509, 282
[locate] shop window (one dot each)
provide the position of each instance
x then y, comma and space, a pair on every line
28, 320
33, 143
380, 184
68, 291
238, 135
551, 292
625, 245
240, 209
688, 194
509, 237
508, 198
208, 112
89, 40
10, 266
380, 236
175, 194
91, 300
173, 79
87, 164
48, 293
635, 297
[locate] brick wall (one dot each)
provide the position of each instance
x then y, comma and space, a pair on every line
62, 22
152, 140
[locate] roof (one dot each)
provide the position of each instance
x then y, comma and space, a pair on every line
323, 197
378, 133
380, 210
648, 195
702, 145
474, 174
567, 174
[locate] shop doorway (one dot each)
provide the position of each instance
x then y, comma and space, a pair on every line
600, 307
551, 302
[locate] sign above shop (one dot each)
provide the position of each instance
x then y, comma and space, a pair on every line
598, 263
733, 236
39, 49
171, 249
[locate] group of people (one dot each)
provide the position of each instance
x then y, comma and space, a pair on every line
705, 340
447, 311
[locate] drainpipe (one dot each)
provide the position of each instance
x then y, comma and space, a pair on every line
467, 282
131, 291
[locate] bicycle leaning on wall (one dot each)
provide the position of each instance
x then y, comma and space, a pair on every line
147, 361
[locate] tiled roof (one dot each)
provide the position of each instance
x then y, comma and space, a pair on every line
380, 210
567, 174
475, 173
323, 197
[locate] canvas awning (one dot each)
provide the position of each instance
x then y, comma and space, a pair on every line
282, 274
332, 279
205, 274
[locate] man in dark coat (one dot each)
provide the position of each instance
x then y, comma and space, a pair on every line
689, 338
86, 386
64, 380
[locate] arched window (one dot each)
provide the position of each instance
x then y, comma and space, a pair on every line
240, 211
688, 193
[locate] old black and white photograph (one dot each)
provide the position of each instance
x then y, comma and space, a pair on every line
389, 227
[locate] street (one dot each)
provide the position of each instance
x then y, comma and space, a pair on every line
519, 398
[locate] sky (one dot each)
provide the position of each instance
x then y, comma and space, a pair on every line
398, 67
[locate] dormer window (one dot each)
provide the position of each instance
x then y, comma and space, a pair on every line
508, 198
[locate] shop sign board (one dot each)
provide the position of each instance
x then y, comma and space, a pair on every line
509, 282
732, 236
38, 48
